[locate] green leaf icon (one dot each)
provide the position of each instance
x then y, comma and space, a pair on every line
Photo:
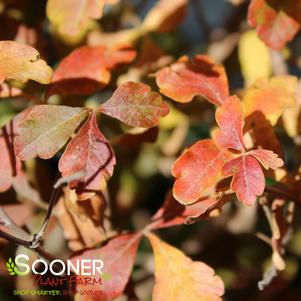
12, 269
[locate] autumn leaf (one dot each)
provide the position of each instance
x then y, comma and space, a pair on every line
136, 105
88, 152
73, 17
199, 77
268, 159
271, 96
172, 213
118, 257
276, 21
22, 63
178, 278
46, 129
230, 120
87, 69
165, 17
254, 57
248, 179
196, 170
81, 221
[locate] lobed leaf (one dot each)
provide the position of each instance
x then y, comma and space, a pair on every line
87, 69
179, 278
136, 105
45, 130
197, 170
248, 179
230, 120
118, 257
185, 79
276, 21
268, 159
90, 153
22, 63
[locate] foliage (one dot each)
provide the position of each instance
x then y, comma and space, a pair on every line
116, 112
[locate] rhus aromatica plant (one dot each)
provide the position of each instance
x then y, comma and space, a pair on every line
150, 150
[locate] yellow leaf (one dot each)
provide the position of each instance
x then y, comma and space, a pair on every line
271, 97
254, 57
22, 62
72, 18
178, 278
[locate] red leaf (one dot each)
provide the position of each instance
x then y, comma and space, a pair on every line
267, 158
136, 105
197, 170
118, 257
276, 21
91, 153
248, 178
230, 119
87, 69
201, 76
173, 213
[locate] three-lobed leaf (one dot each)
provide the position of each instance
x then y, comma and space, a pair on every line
136, 105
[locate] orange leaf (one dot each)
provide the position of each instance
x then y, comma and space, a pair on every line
201, 76
271, 97
197, 170
248, 179
230, 119
178, 278
22, 63
87, 69
88, 152
276, 21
